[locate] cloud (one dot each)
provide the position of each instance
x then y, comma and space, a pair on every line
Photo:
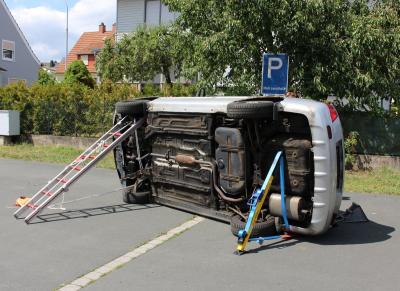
44, 52
86, 15
44, 27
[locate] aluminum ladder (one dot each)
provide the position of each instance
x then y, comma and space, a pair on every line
76, 169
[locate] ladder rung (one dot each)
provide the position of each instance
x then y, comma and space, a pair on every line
117, 134
82, 157
32, 206
64, 181
76, 168
47, 193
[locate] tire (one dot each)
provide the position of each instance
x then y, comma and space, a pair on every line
137, 107
265, 228
250, 109
136, 197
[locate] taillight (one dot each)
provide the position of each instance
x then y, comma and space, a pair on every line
333, 112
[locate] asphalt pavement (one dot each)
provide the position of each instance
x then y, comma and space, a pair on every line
71, 243
45, 255
358, 256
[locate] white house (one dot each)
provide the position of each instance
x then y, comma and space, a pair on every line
134, 13
17, 61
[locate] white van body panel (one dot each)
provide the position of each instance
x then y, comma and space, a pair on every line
327, 195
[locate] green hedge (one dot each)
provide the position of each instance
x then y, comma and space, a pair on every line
73, 110
76, 110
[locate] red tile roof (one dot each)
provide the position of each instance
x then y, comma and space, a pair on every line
88, 43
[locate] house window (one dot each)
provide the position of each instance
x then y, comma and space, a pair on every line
15, 80
8, 50
166, 15
85, 59
158, 13
153, 12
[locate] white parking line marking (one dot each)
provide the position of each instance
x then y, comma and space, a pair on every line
122, 260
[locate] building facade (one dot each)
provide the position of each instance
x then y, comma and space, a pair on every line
85, 49
18, 62
131, 14
134, 13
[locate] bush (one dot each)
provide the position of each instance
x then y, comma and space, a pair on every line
18, 97
151, 90
45, 78
77, 72
72, 109
350, 144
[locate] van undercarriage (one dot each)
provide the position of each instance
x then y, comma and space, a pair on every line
210, 163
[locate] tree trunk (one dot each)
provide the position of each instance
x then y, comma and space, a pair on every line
167, 75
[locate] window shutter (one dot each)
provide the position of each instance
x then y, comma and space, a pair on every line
8, 45
153, 12
166, 15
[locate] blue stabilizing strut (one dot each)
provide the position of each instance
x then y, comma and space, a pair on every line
283, 202
257, 197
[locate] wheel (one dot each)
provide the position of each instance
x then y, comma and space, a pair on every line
265, 228
250, 109
136, 107
136, 197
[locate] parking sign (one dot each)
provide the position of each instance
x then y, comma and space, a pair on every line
275, 74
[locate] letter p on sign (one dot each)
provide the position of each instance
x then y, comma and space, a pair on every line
275, 74
274, 64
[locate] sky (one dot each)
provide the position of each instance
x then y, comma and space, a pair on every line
43, 22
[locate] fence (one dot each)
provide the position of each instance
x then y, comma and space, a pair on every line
378, 135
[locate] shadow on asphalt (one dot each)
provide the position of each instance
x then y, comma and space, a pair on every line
355, 233
90, 212
342, 234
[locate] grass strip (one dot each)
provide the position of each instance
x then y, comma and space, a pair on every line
49, 154
382, 180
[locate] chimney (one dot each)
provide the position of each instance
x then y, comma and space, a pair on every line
102, 28
114, 28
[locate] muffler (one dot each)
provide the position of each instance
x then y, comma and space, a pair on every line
296, 207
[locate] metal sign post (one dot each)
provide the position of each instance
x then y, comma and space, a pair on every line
275, 74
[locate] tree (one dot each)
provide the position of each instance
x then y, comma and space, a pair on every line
108, 63
141, 55
344, 48
235, 34
339, 47
374, 63
44, 78
78, 73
